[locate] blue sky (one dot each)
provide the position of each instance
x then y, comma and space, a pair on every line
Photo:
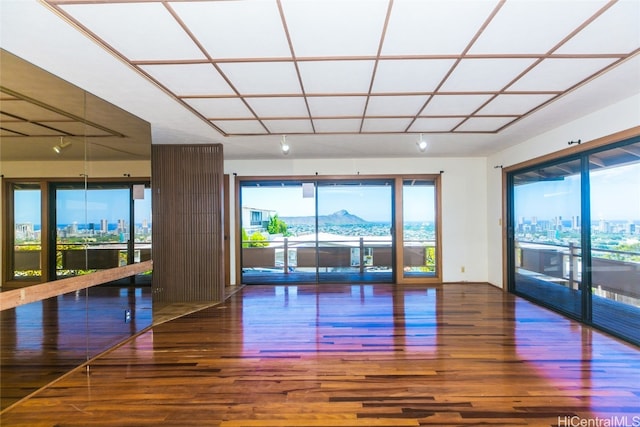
111, 205
371, 203
615, 195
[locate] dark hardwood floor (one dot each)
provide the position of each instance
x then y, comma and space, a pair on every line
362, 355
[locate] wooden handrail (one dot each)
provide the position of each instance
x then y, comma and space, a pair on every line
39, 292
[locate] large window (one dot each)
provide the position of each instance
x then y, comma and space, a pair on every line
113, 230
419, 228
25, 257
338, 230
90, 226
574, 236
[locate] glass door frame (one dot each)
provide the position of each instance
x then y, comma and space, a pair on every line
584, 247
9, 223
396, 226
400, 278
584, 153
109, 184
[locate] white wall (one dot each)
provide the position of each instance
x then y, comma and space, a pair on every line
615, 118
464, 222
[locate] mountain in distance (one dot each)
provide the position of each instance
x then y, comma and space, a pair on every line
341, 217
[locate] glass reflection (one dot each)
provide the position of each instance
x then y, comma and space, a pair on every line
43, 340
547, 250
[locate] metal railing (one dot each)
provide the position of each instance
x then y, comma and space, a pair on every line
612, 270
356, 254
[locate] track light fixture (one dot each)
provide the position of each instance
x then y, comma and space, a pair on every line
421, 143
61, 146
284, 146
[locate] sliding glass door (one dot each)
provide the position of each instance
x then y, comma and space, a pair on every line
614, 177
354, 231
114, 230
419, 249
314, 231
547, 239
364, 229
278, 229
574, 236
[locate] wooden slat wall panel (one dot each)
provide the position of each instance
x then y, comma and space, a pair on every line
188, 245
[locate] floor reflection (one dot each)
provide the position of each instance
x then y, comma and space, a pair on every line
337, 318
43, 340
357, 355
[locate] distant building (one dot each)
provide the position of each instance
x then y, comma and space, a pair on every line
24, 231
254, 219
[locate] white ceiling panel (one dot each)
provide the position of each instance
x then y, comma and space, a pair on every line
616, 31
140, 31
513, 104
279, 107
286, 127
533, 26
335, 27
559, 73
418, 75
331, 106
242, 127
395, 105
194, 79
220, 108
431, 124
484, 124
255, 28
263, 77
337, 125
477, 75
336, 76
461, 53
419, 27
385, 125
453, 105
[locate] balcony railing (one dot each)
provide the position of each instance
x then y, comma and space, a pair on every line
357, 255
563, 264
73, 259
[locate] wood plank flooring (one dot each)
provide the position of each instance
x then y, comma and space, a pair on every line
362, 355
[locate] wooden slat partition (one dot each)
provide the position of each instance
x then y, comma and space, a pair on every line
188, 223
28, 294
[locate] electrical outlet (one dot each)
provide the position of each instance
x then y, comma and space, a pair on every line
127, 316
462, 269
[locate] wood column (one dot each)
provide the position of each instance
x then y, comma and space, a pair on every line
188, 223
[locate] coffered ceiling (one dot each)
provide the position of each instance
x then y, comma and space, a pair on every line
367, 77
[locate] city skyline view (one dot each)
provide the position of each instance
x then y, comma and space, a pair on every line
371, 203
110, 205
549, 199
